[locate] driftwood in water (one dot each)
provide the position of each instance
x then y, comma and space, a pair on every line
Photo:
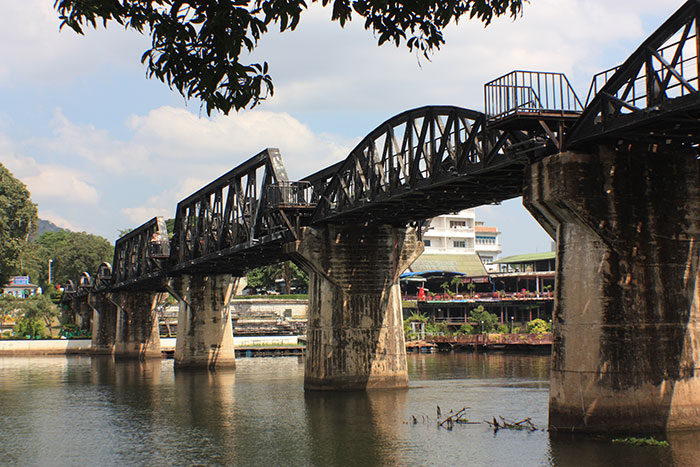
511, 424
460, 418
451, 419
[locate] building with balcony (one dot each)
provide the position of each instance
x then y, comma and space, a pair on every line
486, 245
458, 243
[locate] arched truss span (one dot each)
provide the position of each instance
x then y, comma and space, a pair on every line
428, 161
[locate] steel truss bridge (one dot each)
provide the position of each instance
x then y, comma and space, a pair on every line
422, 163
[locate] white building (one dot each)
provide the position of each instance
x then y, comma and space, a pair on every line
487, 245
451, 233
457, 234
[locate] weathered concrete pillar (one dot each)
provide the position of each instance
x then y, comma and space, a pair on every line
83, 314
137, 331
626, 334
355, 329
104, 323
204, 329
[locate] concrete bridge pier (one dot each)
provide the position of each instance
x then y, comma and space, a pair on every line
626, 333
204, 329
104, 324
82, 314
355, 329
137, 333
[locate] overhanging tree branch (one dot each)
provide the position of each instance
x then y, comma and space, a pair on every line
196, 45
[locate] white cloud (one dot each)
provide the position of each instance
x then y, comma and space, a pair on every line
163, 204
33, 49
177, 138
179, 142
48, 183
62, 184
166, 155
347, 71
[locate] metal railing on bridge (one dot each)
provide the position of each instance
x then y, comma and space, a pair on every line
288, 194
530, 94
654, 96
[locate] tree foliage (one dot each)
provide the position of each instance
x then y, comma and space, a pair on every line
72, 253
538, 326
33, 315
465, 329
170, 225
413, 318
196, 45
18, 219
265, 277
487, 321
457, 281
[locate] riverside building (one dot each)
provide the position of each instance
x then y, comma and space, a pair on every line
457, 242
460, 269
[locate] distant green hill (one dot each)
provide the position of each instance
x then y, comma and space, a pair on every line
46, 226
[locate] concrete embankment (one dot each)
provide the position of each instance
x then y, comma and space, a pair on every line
44, 347
82, 346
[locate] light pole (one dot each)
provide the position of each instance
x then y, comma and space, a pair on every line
511, 325
50, 261
482, 327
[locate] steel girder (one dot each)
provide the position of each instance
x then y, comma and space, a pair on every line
653, 97
138, 257
239, 220
425, 162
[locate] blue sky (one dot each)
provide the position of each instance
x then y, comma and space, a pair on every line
102, 148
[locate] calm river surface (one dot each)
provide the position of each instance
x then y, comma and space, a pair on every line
93, 411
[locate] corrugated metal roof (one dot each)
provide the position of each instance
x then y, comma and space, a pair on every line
527, 258
469, 264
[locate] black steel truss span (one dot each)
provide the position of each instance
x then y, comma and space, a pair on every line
420, 163
241, 219
139, 257
429, 161
653, 96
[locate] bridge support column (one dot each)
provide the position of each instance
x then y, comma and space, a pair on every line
355, 329
137, 330
83, 314
104, 324
204, 329
626, 333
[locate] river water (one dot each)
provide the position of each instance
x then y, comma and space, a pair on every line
93, 411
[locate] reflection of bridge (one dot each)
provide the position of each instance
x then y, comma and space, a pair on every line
616, 181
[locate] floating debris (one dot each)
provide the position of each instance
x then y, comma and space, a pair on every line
460, 418
512, 425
